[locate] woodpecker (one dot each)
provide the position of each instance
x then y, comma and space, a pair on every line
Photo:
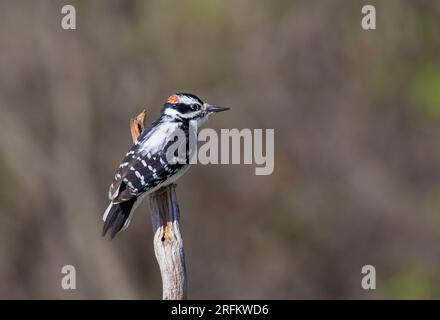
145, 167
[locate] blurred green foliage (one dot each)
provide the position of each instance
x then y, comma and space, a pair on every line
413, 283
426, 91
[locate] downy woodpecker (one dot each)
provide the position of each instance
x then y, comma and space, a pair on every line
145, 167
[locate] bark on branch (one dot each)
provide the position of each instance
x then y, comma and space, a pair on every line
168, 244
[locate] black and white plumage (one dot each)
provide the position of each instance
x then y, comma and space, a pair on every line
145, 168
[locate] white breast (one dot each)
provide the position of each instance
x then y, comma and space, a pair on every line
156, 140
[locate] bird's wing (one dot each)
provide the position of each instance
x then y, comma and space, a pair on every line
142, 169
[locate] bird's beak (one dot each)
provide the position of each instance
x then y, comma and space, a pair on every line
210, 108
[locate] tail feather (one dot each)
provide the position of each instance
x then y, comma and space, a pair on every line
116, 216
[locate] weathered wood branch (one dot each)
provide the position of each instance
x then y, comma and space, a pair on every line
168, 244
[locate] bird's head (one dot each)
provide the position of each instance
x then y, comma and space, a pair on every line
187, 106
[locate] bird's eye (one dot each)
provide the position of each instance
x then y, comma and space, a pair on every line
194, 107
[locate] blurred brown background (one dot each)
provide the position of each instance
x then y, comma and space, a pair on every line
357, 160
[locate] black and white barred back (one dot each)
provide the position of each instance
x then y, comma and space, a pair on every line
145, 168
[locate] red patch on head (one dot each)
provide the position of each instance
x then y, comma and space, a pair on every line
173, 99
